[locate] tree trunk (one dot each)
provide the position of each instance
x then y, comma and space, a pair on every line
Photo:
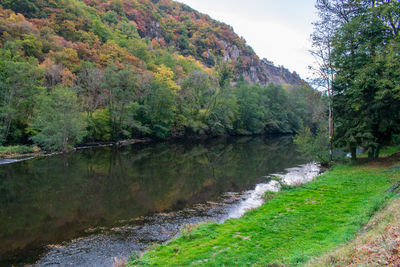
377, 151
353, 151
330, 96
371, 153
330, 128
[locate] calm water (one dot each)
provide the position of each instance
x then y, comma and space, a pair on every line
95, 202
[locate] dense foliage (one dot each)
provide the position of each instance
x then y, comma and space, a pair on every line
85, 71
362, 55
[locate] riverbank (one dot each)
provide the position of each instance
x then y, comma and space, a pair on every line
377, 245
25, 151
293, 227
22, 151
9, 152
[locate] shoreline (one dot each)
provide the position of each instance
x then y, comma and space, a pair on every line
121, 143
270, 234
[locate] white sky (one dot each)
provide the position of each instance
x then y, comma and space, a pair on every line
278, 30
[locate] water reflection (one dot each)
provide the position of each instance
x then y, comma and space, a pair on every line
50, 200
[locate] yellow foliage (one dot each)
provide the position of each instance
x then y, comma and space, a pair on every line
165, 76
111, 52
68, 57
192, 61
16, 18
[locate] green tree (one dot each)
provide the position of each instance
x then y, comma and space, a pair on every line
20, 82
111, 17
32, 46
225, 73
59, 124
26, 7
90, 88
196, 99
128, 30
251, 113
277, 119
160, 109
103, 32
365, 101
121, 88
314, 145
99, 126
222, 113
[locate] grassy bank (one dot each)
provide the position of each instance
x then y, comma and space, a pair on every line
19, 150
377, 245
293, 227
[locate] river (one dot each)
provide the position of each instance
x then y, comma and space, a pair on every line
98, 205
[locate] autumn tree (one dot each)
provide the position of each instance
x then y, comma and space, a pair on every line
90, 88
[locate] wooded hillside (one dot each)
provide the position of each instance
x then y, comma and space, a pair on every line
81, 71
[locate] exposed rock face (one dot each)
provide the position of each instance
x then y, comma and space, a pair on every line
206, 40
265, 73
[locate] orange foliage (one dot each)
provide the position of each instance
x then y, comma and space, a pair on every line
132, 60
67, 77
155, 44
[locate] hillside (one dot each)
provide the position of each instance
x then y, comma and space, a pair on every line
166, 24
119, 69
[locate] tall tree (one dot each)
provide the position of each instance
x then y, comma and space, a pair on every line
121, 87
366, 109
59, 123
90, 88
331, 13
20, 82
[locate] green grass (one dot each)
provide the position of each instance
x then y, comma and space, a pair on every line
376, 244
291, 228
387, 151
12, 150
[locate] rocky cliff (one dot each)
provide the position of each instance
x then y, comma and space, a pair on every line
172, 24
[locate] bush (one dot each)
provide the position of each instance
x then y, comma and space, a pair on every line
396, 139
315, 146
100, 128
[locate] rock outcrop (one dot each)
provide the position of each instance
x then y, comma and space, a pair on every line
207, 40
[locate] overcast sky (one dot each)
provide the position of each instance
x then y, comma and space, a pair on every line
278, 30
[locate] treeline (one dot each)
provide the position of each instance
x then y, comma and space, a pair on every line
358, 44
116, 103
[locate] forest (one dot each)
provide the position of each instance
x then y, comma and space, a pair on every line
358, 50
74, 72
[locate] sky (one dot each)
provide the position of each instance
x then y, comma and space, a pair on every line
278, 30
